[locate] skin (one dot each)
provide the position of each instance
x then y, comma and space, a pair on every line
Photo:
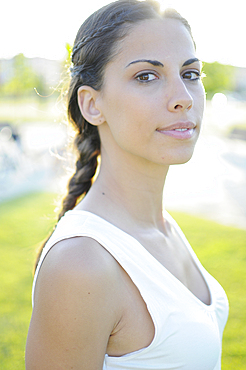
108, 315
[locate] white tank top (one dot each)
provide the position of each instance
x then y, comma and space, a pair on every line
188, 333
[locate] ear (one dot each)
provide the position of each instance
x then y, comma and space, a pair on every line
88, 105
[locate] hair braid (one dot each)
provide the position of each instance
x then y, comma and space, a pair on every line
94, 47
97, 33
88, 147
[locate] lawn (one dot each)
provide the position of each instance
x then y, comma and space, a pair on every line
31, 110
26, 221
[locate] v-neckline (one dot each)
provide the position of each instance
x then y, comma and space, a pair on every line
172, 222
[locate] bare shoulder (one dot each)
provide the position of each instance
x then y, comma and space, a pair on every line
80, 265
75, 306
79, 257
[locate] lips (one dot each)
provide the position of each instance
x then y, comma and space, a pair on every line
178, 126
179, 130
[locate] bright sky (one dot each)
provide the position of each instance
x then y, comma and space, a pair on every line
42, 28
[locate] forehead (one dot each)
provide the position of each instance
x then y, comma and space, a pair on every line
161, 39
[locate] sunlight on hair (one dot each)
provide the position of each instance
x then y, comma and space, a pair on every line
163, 5
174, 4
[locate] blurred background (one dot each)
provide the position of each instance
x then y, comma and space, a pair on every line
206, 196
33, 130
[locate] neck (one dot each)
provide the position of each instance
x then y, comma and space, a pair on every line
131, 190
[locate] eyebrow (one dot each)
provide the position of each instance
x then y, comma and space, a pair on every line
190, 61
153, 62
159, 64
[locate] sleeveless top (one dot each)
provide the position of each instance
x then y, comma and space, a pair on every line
188, 333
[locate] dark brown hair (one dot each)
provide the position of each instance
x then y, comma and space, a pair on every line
95, 45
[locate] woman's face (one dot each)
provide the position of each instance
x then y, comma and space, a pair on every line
152, 97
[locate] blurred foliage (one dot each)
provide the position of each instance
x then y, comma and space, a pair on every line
20, 80
219, 78
23, 79
66, 65
69, 50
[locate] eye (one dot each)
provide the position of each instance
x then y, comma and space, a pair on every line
146, 77
191, 75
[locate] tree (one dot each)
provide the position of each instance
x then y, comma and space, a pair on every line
218, 78
23, 80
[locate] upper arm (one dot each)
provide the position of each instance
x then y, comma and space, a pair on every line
75, 308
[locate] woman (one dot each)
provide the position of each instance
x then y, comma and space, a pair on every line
117, 285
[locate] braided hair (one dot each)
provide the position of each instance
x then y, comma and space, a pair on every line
95, 45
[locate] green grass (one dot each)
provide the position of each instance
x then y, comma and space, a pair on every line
25, 221
31, 110
222, 251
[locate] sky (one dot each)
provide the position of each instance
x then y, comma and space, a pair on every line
42, 28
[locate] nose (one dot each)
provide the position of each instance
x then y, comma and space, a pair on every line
180, 98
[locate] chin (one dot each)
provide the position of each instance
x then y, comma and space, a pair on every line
182, 162
182, 158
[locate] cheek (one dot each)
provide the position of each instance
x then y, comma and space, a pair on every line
199, 99
127, 111
202, 94
128, 122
